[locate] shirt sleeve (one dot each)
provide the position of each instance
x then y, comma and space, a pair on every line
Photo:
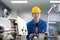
28, 27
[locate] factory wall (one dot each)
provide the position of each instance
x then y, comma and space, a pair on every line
54, 17
14, 13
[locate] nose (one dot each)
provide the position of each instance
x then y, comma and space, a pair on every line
36, 16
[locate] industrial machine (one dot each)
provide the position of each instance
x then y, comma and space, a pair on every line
43, 36
15, 28
37, 37
5, 27
1, 32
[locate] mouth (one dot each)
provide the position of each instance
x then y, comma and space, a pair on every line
36, 17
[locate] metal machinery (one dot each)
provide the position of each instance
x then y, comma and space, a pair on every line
42, 37
16, 32
13, 30
1, 32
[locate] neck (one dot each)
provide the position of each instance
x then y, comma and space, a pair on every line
36, 21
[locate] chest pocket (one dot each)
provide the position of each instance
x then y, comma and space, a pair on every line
41, 29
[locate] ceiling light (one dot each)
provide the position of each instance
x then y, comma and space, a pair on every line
19, 1
54, 1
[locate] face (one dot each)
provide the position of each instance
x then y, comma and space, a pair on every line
36, 16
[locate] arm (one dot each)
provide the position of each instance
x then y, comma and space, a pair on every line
28, 27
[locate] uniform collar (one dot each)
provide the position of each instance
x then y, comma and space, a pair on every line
38, 22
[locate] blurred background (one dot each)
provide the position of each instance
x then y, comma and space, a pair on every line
23, 10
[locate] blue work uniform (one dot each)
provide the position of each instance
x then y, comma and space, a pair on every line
31, 27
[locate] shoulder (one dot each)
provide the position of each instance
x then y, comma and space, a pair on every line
29, 23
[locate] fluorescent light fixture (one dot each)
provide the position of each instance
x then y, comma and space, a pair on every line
53, 22
19, 1
54, 1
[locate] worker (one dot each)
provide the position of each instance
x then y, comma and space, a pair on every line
36, 25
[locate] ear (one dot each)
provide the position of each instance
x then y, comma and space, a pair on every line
32, 14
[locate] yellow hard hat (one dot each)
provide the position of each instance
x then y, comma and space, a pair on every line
36, 9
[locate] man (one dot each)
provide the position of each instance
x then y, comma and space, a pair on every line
36, 25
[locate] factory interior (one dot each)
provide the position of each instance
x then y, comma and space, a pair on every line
15, 15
